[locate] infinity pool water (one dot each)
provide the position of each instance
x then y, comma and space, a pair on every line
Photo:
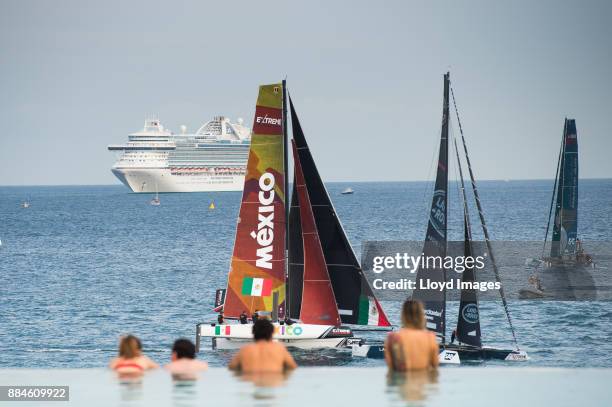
466, 386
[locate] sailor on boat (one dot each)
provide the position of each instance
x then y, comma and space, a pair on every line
243, 318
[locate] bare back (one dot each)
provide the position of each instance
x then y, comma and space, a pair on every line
411, 349
262, 356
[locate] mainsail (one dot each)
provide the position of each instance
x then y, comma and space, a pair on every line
257, 271
355, 299
565, 226
436, 237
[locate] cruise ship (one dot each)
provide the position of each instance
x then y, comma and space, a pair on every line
211, 159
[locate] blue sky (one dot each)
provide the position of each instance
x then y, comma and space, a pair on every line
366, 79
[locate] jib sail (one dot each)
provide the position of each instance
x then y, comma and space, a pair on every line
435, 238
565, 226
318, 302
257, 270
355, 300
468, 324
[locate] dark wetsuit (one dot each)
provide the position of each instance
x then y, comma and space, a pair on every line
243, 318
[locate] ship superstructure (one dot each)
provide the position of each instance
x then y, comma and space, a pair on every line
211, 159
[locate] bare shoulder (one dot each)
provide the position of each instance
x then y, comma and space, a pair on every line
148, 362
279, 346
113, 362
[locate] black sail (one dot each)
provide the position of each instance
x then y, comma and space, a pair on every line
468, 324
565, 227
296, 257
354, 297
435, 238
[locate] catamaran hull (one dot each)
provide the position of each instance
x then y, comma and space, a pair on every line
148, 180
376, 351
228, 343
302, 336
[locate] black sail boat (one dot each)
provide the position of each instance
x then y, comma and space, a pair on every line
468, 330
566, 248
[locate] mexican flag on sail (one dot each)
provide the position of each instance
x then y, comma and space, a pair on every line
369, 312
257, 287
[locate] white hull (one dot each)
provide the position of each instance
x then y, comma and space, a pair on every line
302, 336
150, 180
228, 343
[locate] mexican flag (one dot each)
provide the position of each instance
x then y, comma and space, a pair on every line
370, 313
222, 330
257, 287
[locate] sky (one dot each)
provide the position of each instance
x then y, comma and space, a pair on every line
366, 79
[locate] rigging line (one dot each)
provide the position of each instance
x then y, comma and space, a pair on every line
485, 230
552, 201
457, 185
461, 189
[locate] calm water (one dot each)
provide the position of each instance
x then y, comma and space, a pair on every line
84, 265
332, 386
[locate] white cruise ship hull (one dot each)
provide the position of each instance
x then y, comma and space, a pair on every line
151, 180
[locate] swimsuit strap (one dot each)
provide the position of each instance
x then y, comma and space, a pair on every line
128, 364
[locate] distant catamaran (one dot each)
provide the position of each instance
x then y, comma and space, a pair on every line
566, 248
293, 262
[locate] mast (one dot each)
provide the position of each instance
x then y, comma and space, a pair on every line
436, 236
485, 230
287, 202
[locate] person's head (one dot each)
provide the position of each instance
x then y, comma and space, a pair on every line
413, 315
183, 349
263, 330
130, 347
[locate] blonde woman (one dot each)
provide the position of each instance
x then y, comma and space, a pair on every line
412, 347
131, 361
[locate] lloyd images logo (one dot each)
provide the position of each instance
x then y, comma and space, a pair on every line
257, 287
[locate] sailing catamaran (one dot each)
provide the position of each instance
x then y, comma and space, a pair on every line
468, 330
566, 249
293, 262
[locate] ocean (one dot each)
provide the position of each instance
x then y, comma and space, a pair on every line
86, 264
